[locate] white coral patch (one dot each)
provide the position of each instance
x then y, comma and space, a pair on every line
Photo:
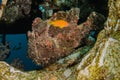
85, 72
103, 53
101, 62
117, 25
13, 70
82, 62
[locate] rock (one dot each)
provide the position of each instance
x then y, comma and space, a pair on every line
8, 72
103, 61
16, 9
4, 51
67, 73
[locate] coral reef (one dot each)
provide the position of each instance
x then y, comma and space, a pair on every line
16, 9
17, 63
4, 51
103, 61
56, 71
48, 43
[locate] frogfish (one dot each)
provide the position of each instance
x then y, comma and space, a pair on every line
59, 23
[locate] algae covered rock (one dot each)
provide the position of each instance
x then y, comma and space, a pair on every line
103, 61
53, 72
16, 9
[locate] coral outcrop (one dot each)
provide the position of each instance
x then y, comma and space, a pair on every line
48, 43
103, 61
4, 51
16, 9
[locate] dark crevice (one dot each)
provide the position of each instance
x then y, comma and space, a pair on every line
88, 6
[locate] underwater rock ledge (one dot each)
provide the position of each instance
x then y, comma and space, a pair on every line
58, 36
103, 61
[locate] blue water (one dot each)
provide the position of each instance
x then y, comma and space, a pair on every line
0, 38
18, 49
0, 2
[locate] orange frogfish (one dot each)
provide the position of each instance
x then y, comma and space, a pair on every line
59, 23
